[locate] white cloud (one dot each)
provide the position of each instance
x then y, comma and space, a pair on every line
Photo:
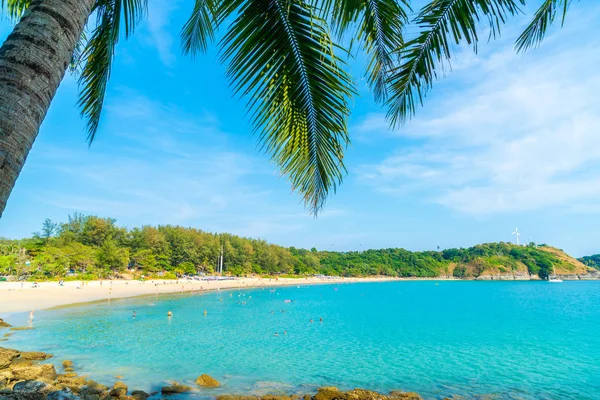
519, 133
158, 24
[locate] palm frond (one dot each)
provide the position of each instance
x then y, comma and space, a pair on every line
443, 23
377, 25
199, 30
14, 8
99, 52
282, 59
381, 30
533, 35
77, 62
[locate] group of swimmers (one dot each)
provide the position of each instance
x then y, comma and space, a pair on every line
169, 313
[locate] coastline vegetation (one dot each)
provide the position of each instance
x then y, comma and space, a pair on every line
591, 261
90, 247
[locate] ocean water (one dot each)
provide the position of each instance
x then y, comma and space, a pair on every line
513, 340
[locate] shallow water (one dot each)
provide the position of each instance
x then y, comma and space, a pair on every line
521, 340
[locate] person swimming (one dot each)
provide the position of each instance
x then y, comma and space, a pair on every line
321, 319
31, 316
311, 321
169, 314
205, 313
134, 314
276, 334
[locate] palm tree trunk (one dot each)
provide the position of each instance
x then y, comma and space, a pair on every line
33, 61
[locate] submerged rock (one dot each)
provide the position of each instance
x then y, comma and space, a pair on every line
67, 364
64, 394
32, 386
405, 395
234, 397
119, 389
93, 391
22, 328
175, 388
4, 324
139, 395
207, 381
35, 355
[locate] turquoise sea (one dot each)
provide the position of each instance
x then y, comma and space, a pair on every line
513, 340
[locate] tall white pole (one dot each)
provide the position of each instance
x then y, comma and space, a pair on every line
221, 263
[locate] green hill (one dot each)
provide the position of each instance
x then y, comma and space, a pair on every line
88, 247
591, 261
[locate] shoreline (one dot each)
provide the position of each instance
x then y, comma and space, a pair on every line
26, 375
20, 297
17, 297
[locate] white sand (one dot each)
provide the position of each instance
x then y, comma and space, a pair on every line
17, 297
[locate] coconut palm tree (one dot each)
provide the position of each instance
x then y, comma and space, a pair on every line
283, 56
48, 38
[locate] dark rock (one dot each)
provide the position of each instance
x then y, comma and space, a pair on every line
119, 389
93, 387
31, 386
139, 395
207, 381
4, 324
64, 394
175, 388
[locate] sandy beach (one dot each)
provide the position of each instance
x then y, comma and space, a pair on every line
20, 297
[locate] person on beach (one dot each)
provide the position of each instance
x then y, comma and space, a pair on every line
31, 316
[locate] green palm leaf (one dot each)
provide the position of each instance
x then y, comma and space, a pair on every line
14, 8
544, 17
199, 30
99, 52
379, 27
281, 57
443, 23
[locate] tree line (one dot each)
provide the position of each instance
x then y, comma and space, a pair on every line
591, 261
91, 247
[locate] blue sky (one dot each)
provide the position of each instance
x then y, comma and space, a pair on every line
504, 140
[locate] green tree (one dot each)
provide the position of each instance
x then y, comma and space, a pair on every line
112, 256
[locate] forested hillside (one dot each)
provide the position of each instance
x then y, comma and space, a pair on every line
591, 261
88, 247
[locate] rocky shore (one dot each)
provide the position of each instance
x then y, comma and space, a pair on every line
24, 377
